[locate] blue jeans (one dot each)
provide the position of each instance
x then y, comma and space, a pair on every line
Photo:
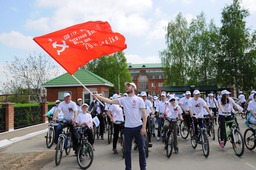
129, 133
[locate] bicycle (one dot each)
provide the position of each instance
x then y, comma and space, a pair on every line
121, 136
234, 135
85, 150
250, 137
202, 138
110, 132
64, 143
184, 130
169, 138
49, 138
209, 124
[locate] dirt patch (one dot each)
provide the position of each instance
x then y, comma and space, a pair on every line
25, 161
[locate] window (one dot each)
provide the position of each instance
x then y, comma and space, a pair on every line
87, 97
153, 84
160, 84
153, 77
160, 77
61, 93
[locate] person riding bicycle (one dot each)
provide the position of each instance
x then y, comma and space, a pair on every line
85, 119
226, 105
69, 109
79, 105
252, 109
184, 104
160, 114
212, 103
172, 112
150, 114
115, 114
196, 109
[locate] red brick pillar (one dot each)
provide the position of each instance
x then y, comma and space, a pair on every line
44, 109
9, 116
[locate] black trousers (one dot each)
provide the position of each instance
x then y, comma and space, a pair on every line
117, 129
222, 120
102, 124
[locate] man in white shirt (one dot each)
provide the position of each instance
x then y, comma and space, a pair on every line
212, 103
241, 99
252, 109
184, 104
69, 110
134, 127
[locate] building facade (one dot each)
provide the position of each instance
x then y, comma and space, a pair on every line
147, 77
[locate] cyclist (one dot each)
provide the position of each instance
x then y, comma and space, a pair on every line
160, 114
173, 112
226, 105
241, 99
79, 105
252, 109
134, 109
184, 104
53, 109
69, 109
212, 103
150, 114
196, 109
85, 118
115, 114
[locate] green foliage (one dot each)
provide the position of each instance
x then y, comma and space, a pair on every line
112, 68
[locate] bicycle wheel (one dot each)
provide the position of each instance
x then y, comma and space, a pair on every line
193, 139
169, 144
184, 130
205, 144
59, 151
68, 145
238, 143
219, 139
146, 145
212, 131
110, 133
249, 139
49, 138
85, 155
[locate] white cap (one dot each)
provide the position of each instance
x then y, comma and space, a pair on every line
143, 94
196, 92
66, 95
210, 94
172, 97
131, 83
84, 104
125, 94
155, 97
115, 96
57, 101
240, 92
188, 93
79, 99
225, 92
163, 94
253, 91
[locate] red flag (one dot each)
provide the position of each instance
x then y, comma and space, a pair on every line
75, 46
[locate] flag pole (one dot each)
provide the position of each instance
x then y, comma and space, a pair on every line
86, 88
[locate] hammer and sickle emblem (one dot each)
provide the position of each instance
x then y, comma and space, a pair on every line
64, 46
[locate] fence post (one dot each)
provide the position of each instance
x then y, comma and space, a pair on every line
44, 109
9, 116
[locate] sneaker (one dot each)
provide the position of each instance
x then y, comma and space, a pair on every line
150, 145
115, 151
158, 138
176, 151
222, 144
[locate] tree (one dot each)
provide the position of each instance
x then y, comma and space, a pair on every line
234, 67
112, 68
26, 76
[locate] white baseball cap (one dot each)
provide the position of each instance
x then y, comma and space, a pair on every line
125, 94
143, 94
172, 97
240, 92
79, 99
196, 92
66, 95
115, 96
188, 93
155, 97
84, 104
57, 101
131, 83
210, 94
163, 94
225, 92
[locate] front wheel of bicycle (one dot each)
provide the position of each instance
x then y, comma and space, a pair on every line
85, 155
169, 144
49, 138
59, 151
146, 145
193, 139
68, 145
205, 145
249, 139
184, 130
110, 133
219, 139
238, 143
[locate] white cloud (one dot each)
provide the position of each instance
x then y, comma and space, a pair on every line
40, 24
18, 40
136, 59
250, 5
158, 31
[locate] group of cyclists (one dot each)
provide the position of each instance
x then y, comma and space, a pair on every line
150, 114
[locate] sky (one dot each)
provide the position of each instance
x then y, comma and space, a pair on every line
142, 22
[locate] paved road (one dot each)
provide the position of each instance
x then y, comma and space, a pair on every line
188, 158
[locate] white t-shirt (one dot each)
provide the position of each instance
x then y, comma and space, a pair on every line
79, 109
211, 102
148, 105
197, 106
67, 109
173, 112
184, 101
242, 99
85, 118
251, 96
116, 112
160, 108
252, 106
227, 107
132, 106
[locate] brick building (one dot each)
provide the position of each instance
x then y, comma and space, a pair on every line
147, 77
66, 83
